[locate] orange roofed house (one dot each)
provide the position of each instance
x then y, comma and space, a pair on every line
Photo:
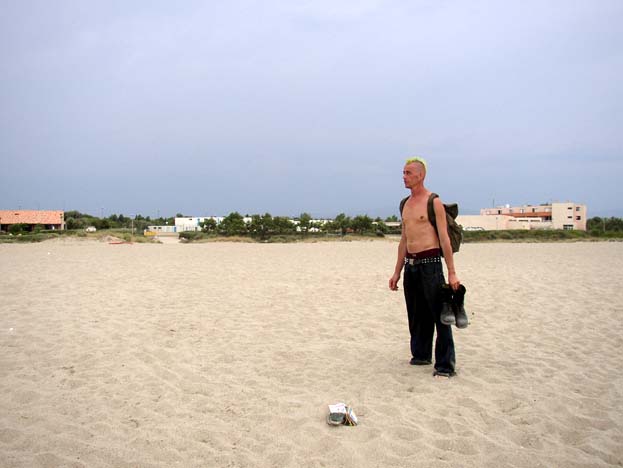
32, 218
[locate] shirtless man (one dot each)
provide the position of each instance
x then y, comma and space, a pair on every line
419, 253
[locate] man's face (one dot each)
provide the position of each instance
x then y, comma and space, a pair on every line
412, 174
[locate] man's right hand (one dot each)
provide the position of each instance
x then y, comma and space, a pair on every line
393, 282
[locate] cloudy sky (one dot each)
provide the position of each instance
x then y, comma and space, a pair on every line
205, 107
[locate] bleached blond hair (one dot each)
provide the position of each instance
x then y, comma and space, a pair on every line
417, 159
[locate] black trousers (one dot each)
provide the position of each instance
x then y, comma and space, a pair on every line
422, 288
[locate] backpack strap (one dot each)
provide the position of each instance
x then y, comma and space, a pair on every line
431, 210
402, 204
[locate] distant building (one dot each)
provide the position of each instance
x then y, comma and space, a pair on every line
568, 216
32, 219
163, 230
314, 224
189, 223
193, 223
184, 224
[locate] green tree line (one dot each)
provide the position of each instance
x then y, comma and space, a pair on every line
76, 220
261, 226
265, 226
596, 224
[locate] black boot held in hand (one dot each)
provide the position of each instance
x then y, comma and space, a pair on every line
458, 300
447, 314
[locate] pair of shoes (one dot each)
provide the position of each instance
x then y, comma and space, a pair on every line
459, 309
452, 306
447, 314
419, 362
446, 374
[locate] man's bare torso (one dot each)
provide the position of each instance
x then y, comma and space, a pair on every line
418, 231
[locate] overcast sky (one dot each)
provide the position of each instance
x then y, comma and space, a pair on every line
204, 107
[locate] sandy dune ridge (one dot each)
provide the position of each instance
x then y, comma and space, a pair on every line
226, 355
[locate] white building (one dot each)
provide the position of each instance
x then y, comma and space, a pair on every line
568, 216
192, 223
314, 224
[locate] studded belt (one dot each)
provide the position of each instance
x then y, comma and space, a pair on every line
420, 261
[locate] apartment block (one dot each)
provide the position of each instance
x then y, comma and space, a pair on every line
568, 215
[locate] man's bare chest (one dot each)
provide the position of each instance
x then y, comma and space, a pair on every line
415, 212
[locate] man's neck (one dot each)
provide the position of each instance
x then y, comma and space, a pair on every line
418, 190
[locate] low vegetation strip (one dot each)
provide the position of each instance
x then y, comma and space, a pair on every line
266, 228
104, 235
550, 235
195, 237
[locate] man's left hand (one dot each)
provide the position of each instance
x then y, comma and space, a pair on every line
454, 281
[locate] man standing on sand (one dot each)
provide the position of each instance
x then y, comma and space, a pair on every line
419, 253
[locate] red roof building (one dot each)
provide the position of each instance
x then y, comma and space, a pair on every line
32, 218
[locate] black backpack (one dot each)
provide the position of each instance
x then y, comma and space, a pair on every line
455, 230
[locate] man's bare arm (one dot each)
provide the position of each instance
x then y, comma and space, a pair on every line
402, 253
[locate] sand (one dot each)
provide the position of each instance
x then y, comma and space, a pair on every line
227, 355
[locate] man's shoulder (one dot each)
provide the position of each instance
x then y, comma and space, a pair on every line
425, 197
415, 199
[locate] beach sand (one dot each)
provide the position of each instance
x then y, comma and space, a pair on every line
227, 355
